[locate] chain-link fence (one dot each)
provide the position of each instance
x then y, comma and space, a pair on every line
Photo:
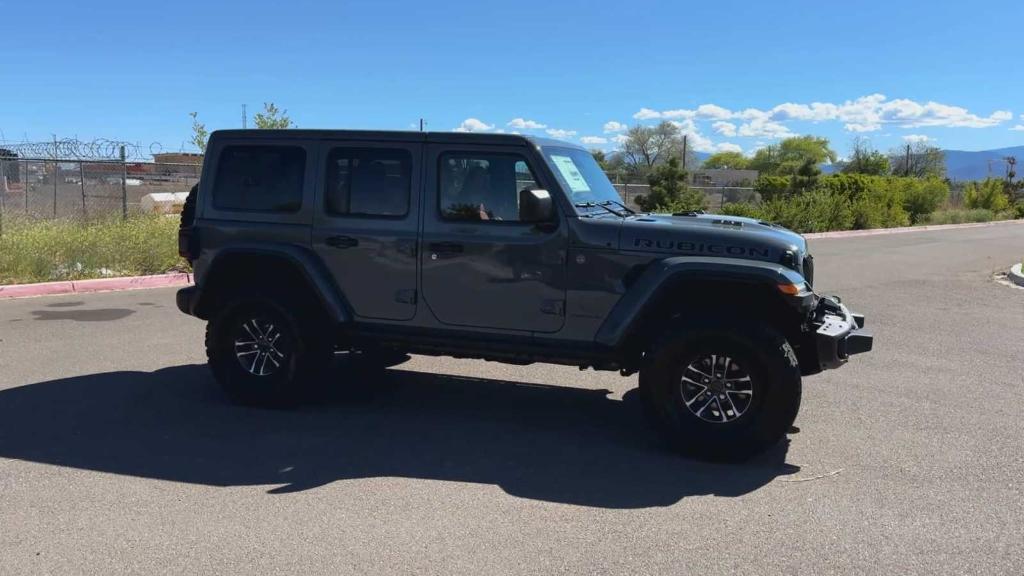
715, 196
48, 189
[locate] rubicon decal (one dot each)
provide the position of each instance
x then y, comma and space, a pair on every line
702, 248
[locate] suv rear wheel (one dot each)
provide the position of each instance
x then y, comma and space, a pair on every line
722, 393
263, 354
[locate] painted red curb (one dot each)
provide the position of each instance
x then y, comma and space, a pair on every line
97, 285
907, 229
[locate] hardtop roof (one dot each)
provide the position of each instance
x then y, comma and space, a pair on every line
394, 136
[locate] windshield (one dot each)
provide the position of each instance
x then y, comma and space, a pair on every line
581, 178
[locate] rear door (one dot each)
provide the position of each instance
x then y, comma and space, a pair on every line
365, 224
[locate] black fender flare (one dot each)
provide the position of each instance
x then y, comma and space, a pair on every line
317, 277
661, 275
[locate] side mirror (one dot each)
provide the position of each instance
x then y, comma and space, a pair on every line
535, 206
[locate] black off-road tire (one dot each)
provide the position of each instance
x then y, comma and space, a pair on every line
305, 344
757, 351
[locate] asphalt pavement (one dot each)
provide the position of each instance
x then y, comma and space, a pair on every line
118, 455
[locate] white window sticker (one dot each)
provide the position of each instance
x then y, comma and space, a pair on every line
571, 173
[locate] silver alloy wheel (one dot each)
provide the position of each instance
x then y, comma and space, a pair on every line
257, 347
715, 388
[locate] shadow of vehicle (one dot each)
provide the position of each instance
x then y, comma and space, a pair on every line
548, 443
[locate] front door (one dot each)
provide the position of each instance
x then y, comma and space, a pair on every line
365, 226
481, 265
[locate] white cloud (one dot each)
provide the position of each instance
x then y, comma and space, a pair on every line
865, 114
727, 129
680, 114
764, 128
612, 126
647, 114
560, 133
474, 125
1018, 128
593, 140
620, 138
524, 124
713, 112
914, 138
728, 147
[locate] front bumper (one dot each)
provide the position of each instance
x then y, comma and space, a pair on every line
840, 333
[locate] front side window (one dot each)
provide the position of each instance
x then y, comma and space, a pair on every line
368, 182
483, 187
260, 178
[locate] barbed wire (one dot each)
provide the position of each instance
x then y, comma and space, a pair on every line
74, 149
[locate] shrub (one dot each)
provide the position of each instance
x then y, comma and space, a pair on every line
922, 197
989, 194
669, 192
745, 210
815, 211
40, 251
772, 187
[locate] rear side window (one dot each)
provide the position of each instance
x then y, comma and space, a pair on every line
368, 182
260, 178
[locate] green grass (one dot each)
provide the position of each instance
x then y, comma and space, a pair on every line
48, 250
965, 215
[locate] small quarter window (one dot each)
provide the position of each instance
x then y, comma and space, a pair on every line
260, 178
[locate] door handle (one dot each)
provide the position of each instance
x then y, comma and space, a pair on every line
341, 242
445, 247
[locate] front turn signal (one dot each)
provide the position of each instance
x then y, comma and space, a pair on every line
790, 289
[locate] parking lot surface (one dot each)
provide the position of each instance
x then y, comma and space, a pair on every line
119, 455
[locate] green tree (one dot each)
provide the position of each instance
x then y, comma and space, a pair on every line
918, 160
806, 176
600, 158
790, 155
866, 160
200, 135
669, 192
272, 118
646, 146
734, 160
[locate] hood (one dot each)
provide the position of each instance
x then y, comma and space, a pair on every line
710, 235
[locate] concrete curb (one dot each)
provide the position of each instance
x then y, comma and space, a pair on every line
1016, 275
908, 229
98, 285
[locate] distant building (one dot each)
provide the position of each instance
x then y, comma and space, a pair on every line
723, 177
178, 158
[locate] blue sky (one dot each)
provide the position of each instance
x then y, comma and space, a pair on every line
734, 75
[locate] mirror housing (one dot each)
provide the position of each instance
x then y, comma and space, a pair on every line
535, 206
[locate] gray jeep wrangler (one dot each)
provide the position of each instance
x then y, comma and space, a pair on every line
307, 244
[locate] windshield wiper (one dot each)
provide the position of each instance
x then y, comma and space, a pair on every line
604, 205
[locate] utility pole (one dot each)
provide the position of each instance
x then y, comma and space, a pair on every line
907, 171
245, 118
421, 124
56, 169
684, 150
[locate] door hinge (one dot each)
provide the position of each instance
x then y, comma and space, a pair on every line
553, 307
405, 296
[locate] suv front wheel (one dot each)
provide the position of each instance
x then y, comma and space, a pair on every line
265, 355
722, 392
